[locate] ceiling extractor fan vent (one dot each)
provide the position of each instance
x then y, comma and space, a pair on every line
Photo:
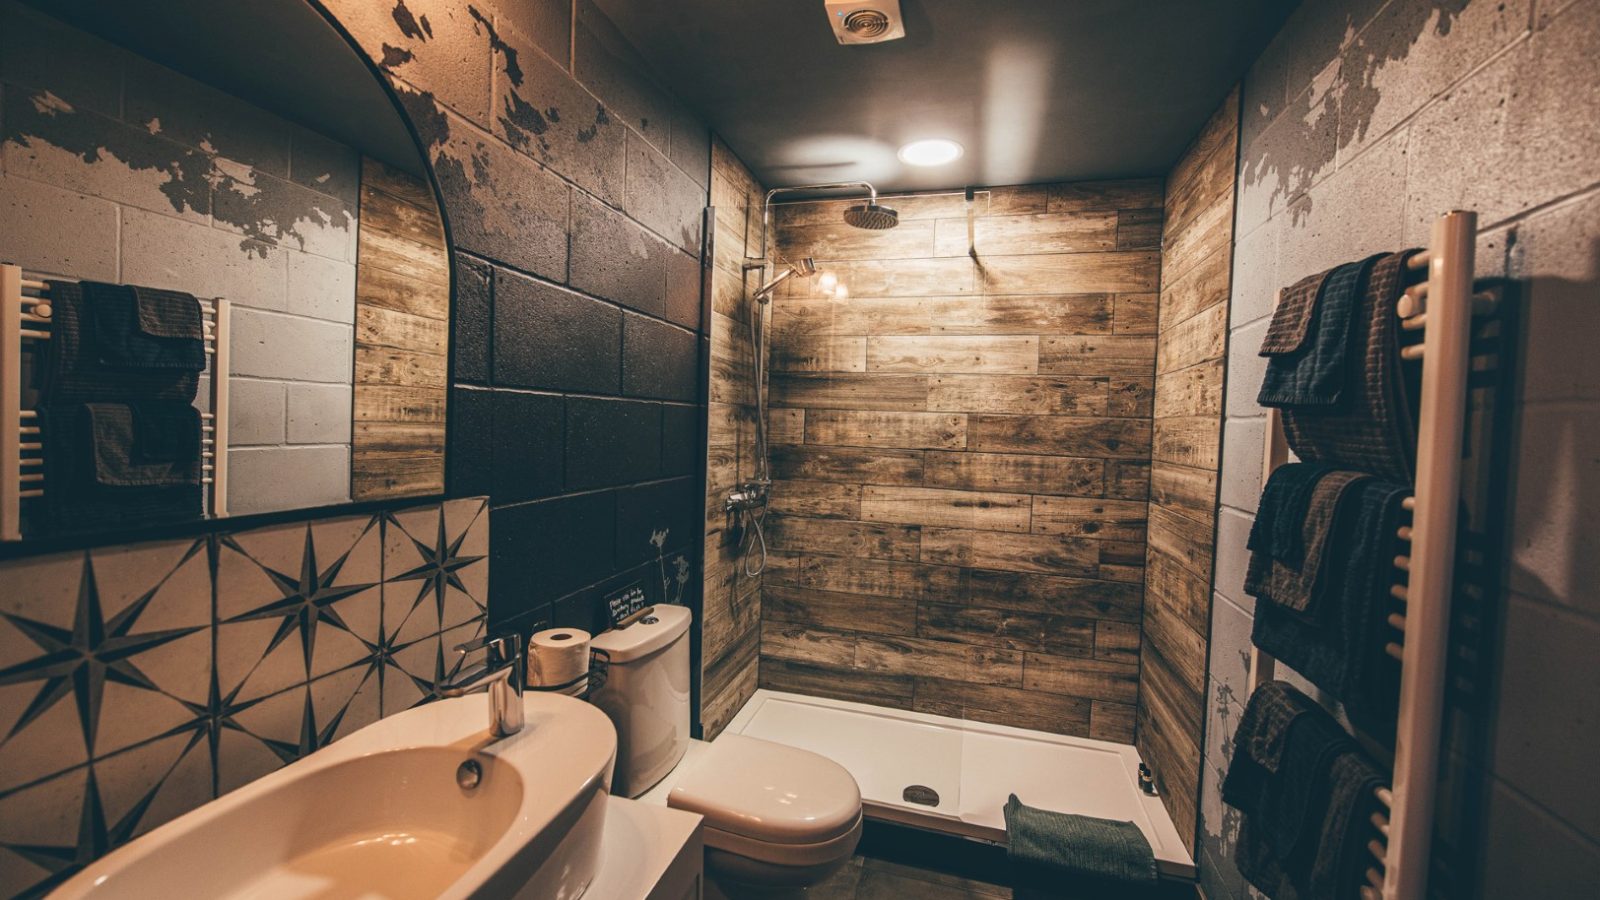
865, 21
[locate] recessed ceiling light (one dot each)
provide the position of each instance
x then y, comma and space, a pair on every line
931, 152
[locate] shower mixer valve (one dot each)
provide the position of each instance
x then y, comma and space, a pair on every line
749, 495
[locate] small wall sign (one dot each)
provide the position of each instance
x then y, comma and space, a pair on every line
625, 602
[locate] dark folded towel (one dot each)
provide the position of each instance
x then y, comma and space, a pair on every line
94, 480
1078, 846
169, 314
1263, 729
1260, 744
165, 431
144, 328
1297, 802
1317, 372
1340, 649
117, 432
1352, 800
1374, 430
1306, 792
1291, 318
1277, 528
73, 370
1290, 573
1324, 505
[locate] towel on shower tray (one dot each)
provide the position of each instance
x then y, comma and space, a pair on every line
1067, 846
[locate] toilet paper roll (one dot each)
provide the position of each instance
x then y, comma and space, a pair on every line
557, 656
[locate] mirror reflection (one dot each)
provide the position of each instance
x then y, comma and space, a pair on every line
224, 294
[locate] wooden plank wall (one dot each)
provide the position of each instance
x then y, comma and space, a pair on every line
1196, 274
731, 611
402, 338
961, 456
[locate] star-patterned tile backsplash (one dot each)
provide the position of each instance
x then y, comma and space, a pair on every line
139, 682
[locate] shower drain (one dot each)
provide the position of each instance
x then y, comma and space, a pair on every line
920, 794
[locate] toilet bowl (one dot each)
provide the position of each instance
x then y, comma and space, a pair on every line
777, 818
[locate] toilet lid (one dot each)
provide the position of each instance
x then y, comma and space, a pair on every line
769, 792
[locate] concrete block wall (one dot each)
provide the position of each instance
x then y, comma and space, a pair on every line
574, 188
1362, 121
114, 168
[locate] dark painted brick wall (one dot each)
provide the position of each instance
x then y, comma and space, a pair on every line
573, 186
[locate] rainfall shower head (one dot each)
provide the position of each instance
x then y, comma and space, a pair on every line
872, 216
869, 215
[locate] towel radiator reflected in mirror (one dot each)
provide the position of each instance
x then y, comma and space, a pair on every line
25, 316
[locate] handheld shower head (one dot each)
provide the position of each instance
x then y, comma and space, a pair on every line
803, 268
872, 216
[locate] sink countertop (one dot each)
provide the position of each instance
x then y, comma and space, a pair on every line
297, 831
650, 852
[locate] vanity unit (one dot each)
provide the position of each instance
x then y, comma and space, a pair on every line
425, 803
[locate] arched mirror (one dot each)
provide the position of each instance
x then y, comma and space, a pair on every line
227, 280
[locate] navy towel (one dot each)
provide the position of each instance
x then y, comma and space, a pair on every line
1284, 501
74, 369
1374, 431
1307, 793
99, 479
1318, 373
1288, 542
143, 328
1341, 648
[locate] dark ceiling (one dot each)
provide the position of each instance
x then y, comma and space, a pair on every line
1035, 90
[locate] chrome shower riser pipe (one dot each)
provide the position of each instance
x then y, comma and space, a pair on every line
766, 206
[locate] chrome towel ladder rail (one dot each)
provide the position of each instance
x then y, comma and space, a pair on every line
1440, 301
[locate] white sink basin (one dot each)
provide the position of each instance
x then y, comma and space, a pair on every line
379, 814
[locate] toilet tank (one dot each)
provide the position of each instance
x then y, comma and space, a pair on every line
646, 694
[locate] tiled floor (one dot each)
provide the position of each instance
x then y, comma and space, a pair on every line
865, 878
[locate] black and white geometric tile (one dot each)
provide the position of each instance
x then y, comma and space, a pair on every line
139, 682
436, 592
103, 657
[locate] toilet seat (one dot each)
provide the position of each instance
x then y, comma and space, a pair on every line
772, 803
796, 855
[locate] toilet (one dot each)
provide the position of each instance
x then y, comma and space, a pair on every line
778, 819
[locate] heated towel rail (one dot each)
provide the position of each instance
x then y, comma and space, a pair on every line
1439, 301
25, 315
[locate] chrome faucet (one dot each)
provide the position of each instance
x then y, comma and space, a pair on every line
503, 673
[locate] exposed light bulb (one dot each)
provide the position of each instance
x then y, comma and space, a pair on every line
827, 280
931, 152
